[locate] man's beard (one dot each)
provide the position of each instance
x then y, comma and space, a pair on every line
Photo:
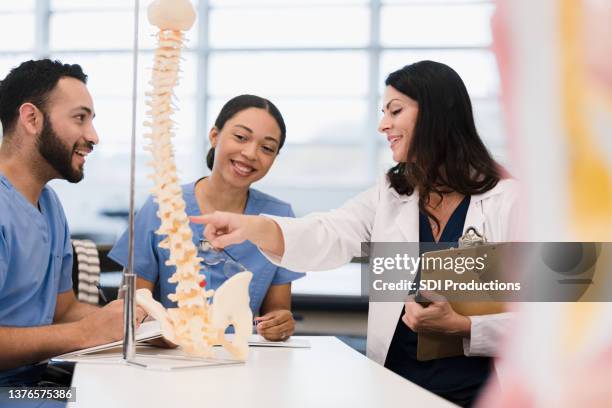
57, 154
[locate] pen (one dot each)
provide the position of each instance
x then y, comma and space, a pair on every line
101, 292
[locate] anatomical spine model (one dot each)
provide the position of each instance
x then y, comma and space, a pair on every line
195, 325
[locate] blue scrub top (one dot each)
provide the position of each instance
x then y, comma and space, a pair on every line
35, 262
150, 259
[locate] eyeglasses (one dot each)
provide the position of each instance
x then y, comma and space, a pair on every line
212, 256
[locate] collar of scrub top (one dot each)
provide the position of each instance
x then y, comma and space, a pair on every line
213, 256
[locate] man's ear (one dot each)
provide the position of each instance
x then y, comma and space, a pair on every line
31, 118
213, 135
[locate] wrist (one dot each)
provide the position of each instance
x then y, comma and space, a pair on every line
464, 326
253, 224
78, 334
266, 234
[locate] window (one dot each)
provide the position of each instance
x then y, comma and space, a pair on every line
105, 53
18, 32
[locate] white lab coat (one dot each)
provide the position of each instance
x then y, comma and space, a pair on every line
322, 241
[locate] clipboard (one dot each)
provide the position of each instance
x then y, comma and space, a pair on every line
431, 346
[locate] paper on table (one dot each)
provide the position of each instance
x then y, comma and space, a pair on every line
255, 340
147, 331
258, 341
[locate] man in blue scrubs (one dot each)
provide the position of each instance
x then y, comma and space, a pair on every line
46, 113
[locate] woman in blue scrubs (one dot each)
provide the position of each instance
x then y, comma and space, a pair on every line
246, 138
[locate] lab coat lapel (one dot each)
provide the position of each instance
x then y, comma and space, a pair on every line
475, 216
408, 219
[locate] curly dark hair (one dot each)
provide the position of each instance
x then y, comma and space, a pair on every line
32, 82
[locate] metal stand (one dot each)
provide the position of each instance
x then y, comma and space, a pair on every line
128, 284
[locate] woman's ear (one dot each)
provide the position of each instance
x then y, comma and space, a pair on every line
213, 135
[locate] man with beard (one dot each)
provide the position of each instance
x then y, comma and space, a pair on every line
46, 113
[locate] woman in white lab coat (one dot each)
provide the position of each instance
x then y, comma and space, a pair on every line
445, 181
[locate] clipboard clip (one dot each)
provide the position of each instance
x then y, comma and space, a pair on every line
471, 238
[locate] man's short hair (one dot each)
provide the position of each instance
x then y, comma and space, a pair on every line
32, 82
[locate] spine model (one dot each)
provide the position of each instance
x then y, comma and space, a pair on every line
195, 325
172, 17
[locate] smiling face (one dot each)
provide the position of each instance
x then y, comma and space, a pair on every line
245, 147
400, 114
68, 135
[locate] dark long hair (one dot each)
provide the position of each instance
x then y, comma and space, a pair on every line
237, 105
445, 153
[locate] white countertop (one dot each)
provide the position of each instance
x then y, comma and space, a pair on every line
329, 374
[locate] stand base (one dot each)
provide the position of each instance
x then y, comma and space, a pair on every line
153, 358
